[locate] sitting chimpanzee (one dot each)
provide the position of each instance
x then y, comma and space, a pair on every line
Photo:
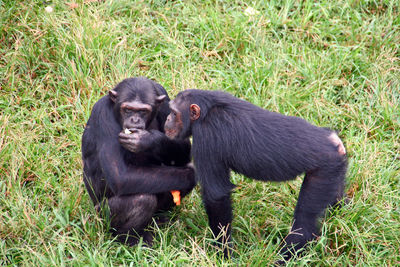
232, 134
133, 179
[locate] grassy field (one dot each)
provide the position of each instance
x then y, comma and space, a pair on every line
333, 63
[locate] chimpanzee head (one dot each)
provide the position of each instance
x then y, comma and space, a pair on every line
136, 102
183, 114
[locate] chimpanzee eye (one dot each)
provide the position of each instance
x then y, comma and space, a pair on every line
128, 111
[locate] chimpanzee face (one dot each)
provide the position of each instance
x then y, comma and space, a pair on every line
135, 103
179, 121
135, 115
174, 124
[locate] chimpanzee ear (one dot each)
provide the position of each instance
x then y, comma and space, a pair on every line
160, 99
113, 95
194, 112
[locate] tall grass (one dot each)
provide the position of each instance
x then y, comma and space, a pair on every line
334, 63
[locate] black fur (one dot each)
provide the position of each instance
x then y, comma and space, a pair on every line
232, 134
135, 185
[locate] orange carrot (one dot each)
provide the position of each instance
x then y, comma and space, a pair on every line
177, 197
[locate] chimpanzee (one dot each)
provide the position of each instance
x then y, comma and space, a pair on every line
134, 179
232, 134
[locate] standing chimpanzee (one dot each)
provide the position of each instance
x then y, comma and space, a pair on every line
133, 179
232, 134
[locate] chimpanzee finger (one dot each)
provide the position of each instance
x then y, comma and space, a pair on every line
123, 135
130, 140
126, 136
134, 147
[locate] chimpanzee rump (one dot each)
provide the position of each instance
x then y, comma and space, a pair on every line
232, 134
133, 178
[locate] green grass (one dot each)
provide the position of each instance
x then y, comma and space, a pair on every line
334, 63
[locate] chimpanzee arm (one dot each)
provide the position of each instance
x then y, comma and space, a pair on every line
126, 179
220, 220
216, 187
169, 152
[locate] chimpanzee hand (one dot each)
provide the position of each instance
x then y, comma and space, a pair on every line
139, 140
190, 179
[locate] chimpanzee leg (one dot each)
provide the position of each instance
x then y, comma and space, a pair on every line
320, 189
130, 215
220, 220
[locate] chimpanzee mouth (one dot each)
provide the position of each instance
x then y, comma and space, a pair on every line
132, 130
170, 134
127, 131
